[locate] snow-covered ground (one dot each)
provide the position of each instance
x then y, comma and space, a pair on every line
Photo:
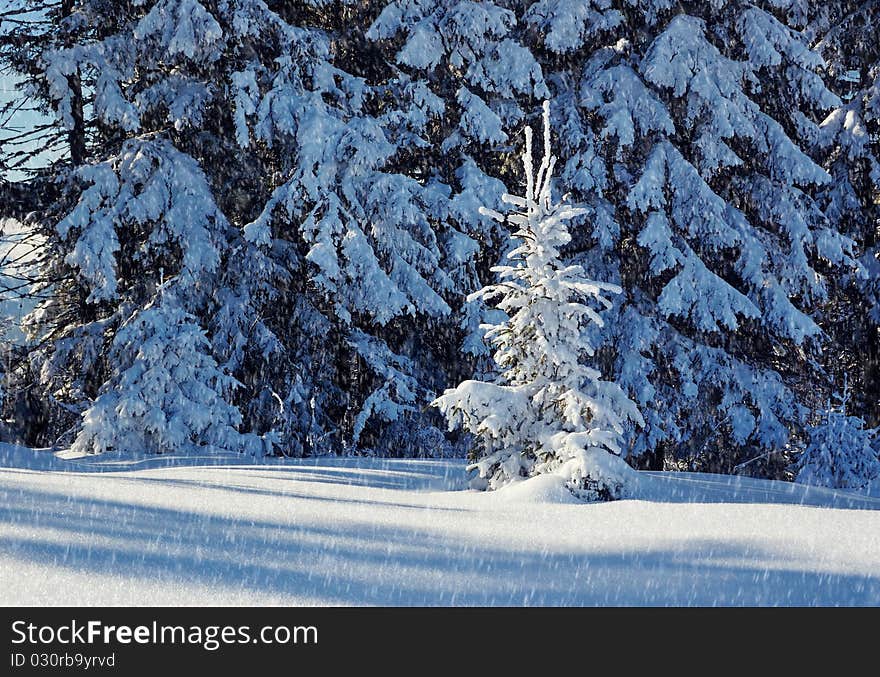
402, 532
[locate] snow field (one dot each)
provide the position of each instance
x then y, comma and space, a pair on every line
404, 532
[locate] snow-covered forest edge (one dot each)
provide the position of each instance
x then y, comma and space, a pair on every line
566, 238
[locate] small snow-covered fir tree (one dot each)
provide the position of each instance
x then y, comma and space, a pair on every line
168, 393
840, 454
547, 411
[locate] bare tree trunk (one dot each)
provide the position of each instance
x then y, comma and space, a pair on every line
76, 137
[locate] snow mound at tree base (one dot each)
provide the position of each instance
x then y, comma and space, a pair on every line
596, 475
589, 476
549, 488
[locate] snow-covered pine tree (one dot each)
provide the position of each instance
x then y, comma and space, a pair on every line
165, 392
684, 133
547, 411
137, 207
629, 104
361, 241
149, 210
840, 454
328, 294
849, 141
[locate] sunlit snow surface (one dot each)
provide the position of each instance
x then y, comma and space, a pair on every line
405, 532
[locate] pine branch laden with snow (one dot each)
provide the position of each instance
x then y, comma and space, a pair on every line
546, 411
167, 394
